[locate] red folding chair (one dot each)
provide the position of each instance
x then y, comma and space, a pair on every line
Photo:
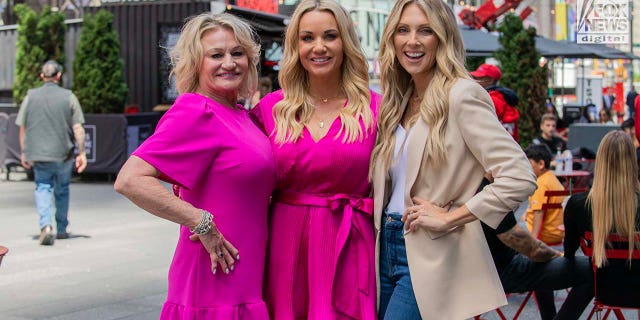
549, 204
552, 203
586, 244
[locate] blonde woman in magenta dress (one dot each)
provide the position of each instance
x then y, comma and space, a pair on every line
222, 169
320, 262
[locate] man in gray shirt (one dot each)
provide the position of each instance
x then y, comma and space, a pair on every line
49, 118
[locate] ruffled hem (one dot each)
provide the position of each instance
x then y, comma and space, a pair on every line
247, 311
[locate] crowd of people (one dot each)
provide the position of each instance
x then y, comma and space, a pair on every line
345, 203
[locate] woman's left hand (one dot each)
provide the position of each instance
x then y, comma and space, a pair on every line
426, 215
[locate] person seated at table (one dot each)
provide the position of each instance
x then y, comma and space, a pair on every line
612, 206
604, 116
562, 127
629, 127
543, 226
528, 264
548, 135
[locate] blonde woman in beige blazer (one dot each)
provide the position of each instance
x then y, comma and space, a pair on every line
437, 135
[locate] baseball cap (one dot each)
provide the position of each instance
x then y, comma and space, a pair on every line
487, 70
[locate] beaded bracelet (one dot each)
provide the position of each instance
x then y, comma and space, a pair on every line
205, 224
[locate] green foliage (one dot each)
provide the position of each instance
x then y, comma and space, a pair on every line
51, 31
519, 61
40, 38
473, 63
98, 72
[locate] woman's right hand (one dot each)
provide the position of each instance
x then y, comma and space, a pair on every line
221, 251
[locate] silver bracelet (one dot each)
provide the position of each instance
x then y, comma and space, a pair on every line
205, 224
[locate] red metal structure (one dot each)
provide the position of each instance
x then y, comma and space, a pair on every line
487, 14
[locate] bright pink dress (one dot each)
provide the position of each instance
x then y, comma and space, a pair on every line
222, 163
320, 260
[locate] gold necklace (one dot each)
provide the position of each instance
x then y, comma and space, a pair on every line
326, 99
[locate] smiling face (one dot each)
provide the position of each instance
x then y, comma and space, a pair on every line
415, 43
320, 45
224, 67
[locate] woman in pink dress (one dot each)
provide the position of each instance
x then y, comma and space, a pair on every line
223, 172
320, 262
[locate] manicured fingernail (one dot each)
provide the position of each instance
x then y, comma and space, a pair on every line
214, 271
231, 268
226, 270
238, 256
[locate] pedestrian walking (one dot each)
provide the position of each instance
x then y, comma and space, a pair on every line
50, 120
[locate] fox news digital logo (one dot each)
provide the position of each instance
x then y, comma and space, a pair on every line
603, 21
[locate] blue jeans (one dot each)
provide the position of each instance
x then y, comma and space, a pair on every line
52, 181
522, 274
397, 300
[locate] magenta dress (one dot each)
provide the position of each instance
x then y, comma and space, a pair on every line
221, 162
320, 260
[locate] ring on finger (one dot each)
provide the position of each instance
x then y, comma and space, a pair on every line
220, 254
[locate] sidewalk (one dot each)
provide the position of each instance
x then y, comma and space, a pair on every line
114, 266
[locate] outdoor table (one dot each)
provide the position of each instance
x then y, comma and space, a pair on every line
569, 177
587, 164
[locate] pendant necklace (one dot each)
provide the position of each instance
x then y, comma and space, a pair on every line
321, 122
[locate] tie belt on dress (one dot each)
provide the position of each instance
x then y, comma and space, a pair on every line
353, 252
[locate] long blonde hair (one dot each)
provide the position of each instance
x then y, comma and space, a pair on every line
187, 55
615, 193
394, 80
296, 109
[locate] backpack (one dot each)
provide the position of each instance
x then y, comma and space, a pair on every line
510, 96
509, 115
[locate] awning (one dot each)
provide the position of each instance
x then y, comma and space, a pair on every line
606, 52
479, 43
553, 49
265, 24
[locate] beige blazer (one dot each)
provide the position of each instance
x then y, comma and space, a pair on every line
453, 274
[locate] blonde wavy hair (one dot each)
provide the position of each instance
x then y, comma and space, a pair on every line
615, 193
394, 81
188, 54
296, 109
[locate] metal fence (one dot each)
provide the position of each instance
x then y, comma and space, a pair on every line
8, 39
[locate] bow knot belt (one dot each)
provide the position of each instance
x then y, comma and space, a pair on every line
355, 245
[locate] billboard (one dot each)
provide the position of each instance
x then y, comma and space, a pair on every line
603, 21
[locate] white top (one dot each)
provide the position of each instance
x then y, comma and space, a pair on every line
398, 171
